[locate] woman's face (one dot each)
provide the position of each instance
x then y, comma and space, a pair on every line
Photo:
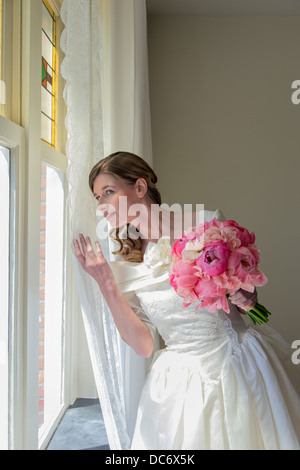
115, 197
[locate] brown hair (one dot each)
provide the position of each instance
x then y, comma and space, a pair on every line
128, 167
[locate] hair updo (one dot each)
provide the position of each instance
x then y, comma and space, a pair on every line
127, 167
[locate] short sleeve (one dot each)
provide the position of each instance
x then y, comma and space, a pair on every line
134, 303
218, 214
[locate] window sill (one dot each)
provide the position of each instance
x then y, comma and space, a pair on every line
81, 428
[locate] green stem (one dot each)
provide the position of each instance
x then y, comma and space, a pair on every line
259, 314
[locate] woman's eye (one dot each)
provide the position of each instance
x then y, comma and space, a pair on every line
98, 197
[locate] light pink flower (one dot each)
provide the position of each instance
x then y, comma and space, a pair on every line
242, 233
179, 245
243, 263
183, 276
212, 304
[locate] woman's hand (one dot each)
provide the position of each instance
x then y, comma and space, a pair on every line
94, 264
244, 300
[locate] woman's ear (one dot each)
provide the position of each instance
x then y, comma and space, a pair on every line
141, 187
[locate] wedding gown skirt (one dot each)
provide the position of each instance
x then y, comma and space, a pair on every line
224, 388
218, 384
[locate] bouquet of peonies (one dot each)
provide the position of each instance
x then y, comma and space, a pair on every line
212, 262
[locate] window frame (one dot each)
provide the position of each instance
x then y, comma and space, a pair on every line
13, 137
31, 114
27, 152
11, 57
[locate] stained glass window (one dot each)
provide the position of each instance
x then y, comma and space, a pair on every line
48, 75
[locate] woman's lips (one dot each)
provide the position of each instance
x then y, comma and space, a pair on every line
108, 216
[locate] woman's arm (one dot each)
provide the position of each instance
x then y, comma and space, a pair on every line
134, 332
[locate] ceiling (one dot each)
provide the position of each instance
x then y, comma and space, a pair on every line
224, 7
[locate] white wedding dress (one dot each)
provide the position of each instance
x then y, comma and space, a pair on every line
217, 384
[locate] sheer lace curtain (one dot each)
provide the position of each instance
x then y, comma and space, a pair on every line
107, 96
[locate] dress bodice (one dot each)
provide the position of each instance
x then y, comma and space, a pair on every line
185, 329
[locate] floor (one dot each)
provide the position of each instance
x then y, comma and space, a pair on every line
81, 428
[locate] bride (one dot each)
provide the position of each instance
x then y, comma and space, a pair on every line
217, 383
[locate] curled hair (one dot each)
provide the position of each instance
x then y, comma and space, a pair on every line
127, 167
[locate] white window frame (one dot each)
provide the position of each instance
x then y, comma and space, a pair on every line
37, 152
12, 136
27, 153
11, 51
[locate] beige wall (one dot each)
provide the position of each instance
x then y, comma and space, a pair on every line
226, 134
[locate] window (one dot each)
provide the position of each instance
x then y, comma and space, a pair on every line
51, 331
5, 315
53, 257
52, 234
37, 333
49, 68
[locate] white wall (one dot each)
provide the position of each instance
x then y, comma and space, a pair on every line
225, 130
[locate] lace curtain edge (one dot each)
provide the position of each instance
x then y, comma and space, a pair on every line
81, 68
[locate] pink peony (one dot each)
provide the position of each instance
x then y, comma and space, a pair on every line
209, 287
202, 228
214, 303
183, 276
214, 257
212, 296
243, 263
179, 245
242, 233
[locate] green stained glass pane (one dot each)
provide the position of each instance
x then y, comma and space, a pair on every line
44, 72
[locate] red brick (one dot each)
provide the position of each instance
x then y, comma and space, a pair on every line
42, 294
43, 209
43, 195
